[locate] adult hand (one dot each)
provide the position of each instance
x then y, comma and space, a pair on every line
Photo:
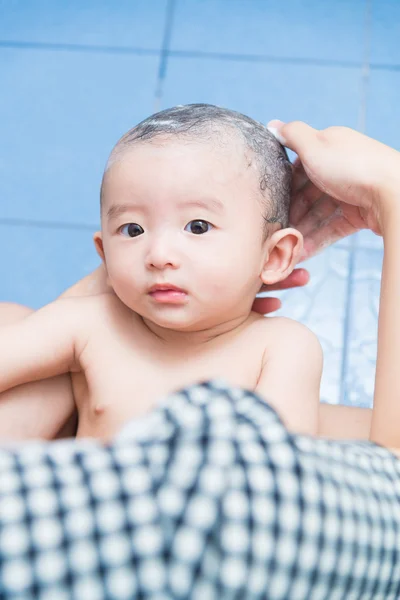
339, 180
297, 278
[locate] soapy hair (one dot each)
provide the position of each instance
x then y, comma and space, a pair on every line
213, 124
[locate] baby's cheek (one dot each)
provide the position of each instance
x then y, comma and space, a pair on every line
219, 281
123, 280
232, 277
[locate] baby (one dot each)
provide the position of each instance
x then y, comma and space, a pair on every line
194, 220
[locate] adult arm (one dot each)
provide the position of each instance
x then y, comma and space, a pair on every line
41, 345
90, 285
338, 422
385, 424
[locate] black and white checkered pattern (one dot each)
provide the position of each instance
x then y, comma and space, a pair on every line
207, 497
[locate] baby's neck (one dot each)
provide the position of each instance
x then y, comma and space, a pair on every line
196, 339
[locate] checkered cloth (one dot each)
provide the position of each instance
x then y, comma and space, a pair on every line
207, 497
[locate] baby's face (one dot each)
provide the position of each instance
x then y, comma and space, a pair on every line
188, 216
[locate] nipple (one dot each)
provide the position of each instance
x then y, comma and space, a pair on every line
99, 408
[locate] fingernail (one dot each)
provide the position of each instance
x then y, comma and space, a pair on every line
273, 127
275, 123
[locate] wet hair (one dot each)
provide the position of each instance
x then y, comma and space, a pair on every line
197, 122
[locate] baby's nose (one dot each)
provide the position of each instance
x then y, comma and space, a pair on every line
162, 254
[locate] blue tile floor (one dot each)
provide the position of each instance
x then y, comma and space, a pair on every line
74, 76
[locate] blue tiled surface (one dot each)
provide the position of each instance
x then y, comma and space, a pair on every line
367, 239
385, 32
38, 263
63, 112
383, 116
75, 75
126, 23
291, 29
267, 90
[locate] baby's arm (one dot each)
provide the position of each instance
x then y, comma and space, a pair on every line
291, 374
41, 345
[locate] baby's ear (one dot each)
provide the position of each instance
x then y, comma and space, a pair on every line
98, 243
282, 253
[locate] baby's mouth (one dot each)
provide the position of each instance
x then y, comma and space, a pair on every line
167, 294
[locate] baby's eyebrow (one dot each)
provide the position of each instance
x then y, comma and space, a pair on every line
213, 204
119, 209
209, 203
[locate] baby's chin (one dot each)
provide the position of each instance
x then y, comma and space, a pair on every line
180, 319
176, 323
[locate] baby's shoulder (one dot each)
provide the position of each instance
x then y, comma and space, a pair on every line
288, 341
284, 330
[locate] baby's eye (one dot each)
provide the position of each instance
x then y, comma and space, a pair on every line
132, 229
197, 226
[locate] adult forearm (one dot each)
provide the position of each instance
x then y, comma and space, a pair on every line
385, 425
92, 284
338, 422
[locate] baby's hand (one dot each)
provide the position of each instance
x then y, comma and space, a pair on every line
297, 278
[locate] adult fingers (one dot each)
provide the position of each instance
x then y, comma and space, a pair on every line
266, 305
334, 230
319, 212
297, 278
302, 202
300, 177
298, 136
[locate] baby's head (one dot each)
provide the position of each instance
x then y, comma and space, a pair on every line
196, 197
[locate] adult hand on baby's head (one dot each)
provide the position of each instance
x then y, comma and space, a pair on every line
339, 181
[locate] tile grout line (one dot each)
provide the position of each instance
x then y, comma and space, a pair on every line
164, 54
16, 222
266, 58
192, 54
361, 125
64, 47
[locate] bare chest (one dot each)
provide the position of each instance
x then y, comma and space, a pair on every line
123, 380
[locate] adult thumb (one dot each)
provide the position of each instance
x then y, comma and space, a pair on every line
296, 135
